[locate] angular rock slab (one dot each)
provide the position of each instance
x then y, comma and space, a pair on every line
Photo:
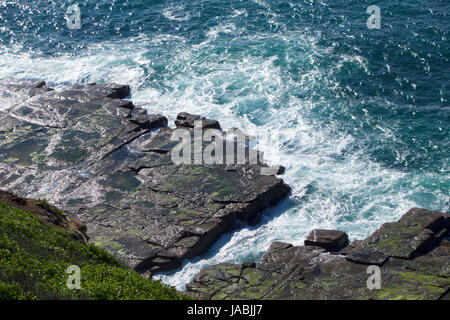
330, 240
13, 91
311, 273
414, 234
188, 120
89, 151
351, 247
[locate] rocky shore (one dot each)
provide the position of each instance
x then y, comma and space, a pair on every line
89, 151
412, 254
92, 153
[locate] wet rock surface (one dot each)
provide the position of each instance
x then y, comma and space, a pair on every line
89, 151
411, 267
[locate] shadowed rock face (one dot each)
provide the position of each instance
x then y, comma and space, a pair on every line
413, 256
102, 160
48, 214
330, 240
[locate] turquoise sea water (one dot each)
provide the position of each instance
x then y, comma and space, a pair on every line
364, 114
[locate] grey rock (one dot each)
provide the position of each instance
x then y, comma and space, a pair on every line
311, 273
187, 120
90, 152
330, 240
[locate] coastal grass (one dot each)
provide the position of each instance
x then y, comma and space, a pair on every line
34, 257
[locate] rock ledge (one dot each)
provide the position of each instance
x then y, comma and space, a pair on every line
89, 151
412, 254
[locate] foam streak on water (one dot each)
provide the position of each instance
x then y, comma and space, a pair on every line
364, 115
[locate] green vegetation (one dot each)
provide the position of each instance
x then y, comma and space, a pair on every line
46, 206
34, 258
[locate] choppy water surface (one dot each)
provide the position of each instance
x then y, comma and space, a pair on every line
364, 113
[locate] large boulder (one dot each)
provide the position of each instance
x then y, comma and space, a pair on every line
330, 240
89, 151
188, 120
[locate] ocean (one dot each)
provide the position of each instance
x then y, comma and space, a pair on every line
363, 113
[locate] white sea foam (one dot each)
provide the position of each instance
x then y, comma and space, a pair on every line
331, 188
177, 13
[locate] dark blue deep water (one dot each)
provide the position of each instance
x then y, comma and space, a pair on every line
363, 113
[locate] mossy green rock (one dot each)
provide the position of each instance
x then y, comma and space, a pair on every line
92, 153
415, 233
412, 268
